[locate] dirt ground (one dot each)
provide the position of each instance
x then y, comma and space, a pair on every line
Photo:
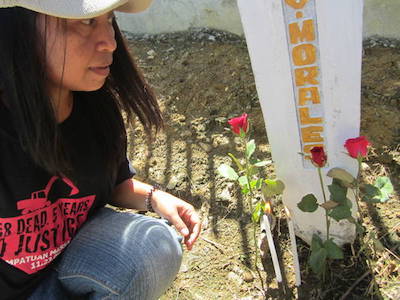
203, 78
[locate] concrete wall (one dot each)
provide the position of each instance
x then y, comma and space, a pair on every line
381, 17
179, 15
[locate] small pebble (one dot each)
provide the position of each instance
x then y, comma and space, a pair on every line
248, 277
364, 166
184, 268
151, 53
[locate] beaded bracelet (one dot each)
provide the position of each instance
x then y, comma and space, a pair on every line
147, 200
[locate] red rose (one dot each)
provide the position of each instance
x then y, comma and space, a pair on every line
357, 147
239, 123
318, 156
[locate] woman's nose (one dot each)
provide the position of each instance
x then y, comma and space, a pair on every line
106, 41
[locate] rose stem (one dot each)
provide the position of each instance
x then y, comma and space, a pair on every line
326, 212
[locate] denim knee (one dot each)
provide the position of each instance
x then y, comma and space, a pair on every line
122, 256
158, 267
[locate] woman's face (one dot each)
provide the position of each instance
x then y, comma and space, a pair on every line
79, 54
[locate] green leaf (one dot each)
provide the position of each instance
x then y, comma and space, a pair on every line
254, 184
259, 183
338, 182
308, 203
349, 204
351, 220
379, 192
250, 148
263, 163
385, 186
333, 250
384, 183
345, 177
245, 190
372, 194
340, 212
236, 161
252, 171
227, 172
257, 212
317, 261
329, 205
338, 193
243, 181
316, 243
272, 187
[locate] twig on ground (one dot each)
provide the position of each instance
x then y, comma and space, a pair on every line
391, 252
215, 244
263, 291
354, 285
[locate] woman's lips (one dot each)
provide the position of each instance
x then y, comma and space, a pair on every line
102, 71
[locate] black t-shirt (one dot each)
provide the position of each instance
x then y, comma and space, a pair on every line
40, 213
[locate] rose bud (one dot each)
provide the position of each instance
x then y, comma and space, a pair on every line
357, 147
239, 123
318, 156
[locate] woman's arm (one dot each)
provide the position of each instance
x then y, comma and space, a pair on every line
132, 193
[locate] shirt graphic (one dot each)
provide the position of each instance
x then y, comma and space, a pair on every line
31, 241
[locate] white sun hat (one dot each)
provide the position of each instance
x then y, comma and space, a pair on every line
78, 9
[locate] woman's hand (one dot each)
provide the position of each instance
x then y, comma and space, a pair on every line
180, 213
131, 194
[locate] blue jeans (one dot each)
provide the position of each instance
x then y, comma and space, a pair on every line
115, 255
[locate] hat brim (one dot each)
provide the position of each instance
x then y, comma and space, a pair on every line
79, 9
135, 6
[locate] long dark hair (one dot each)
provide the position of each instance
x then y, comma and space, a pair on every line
23, 91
